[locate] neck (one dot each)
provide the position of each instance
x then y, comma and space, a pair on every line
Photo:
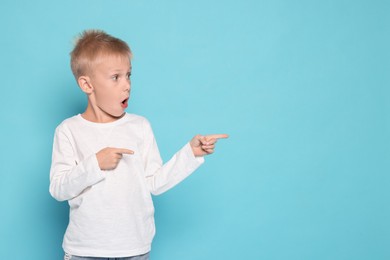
96, 115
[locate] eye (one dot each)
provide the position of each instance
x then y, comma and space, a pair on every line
128, 75
115, 77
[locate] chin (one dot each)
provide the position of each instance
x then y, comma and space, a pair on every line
119, 115
115, 115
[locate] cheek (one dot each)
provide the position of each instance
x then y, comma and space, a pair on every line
103, 96
108, 97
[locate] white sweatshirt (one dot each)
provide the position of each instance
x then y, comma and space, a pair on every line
111, 212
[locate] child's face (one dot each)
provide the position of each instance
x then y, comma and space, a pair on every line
111, 86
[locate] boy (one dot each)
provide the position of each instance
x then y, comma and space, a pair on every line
106, 162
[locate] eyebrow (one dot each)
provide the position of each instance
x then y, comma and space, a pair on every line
119, 70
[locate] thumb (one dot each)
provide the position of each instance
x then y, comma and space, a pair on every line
196, 141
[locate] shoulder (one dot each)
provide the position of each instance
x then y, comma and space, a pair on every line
65, 124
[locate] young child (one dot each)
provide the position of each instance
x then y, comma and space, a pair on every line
106, 162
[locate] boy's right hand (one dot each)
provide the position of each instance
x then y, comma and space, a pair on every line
108, 158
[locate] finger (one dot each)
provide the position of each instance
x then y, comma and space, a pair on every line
211, 141
205, 147
209, 151
217, 136
123, 151
203, 140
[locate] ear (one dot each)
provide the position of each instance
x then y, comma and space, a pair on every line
85, 85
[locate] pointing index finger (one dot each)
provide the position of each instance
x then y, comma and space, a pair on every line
124, 151
217, 136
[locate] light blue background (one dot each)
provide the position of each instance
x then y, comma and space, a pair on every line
301, 86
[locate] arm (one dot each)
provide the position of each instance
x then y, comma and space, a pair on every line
161, 178
68, 178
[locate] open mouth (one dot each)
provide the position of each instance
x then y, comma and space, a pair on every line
124, 102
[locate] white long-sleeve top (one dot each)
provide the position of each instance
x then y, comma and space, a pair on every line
111, 212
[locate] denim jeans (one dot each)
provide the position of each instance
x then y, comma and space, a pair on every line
138, 257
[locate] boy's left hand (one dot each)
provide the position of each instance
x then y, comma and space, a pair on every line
204, 145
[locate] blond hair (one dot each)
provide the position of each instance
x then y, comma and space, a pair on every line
90, 46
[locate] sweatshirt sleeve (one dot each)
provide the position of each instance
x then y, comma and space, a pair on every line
162, 177
69, 177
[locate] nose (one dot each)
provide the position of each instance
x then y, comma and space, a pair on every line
127, 86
